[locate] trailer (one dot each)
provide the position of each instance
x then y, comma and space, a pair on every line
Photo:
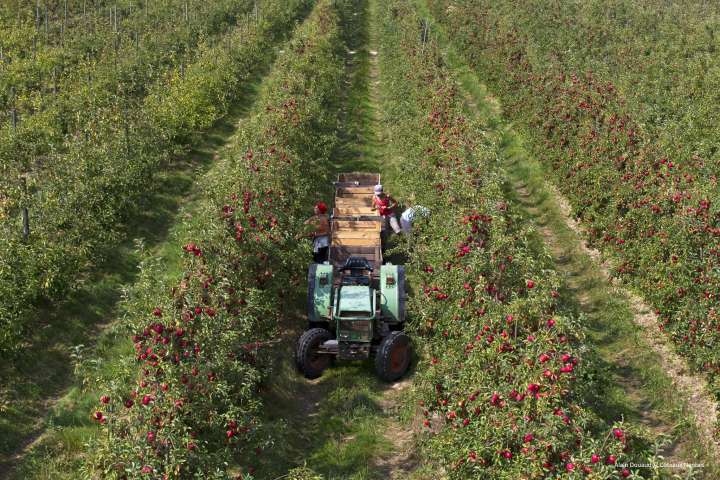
356, 302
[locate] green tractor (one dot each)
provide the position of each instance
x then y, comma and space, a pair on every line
356, 305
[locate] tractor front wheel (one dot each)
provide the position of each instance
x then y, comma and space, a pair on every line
308, 360
393, 356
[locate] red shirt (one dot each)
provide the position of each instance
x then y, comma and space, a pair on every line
383, 205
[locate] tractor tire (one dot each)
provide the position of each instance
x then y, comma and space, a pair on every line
308, 361
393, 356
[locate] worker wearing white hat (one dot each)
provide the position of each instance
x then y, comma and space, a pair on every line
385, 205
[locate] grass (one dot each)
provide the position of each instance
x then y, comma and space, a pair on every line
333, 424
634, 386
45, 368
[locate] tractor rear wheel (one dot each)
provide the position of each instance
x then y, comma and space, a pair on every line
393, 356
308, 360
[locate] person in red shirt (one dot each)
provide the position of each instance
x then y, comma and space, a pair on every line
385, 205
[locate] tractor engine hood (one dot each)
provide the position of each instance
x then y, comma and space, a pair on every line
355, 302
355, 313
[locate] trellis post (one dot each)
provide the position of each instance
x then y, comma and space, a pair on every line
25, 212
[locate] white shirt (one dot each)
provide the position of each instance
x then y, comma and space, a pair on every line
408, 216
410, 213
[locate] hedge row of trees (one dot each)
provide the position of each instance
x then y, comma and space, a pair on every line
78, 167
619, 104
503, 381
186, 403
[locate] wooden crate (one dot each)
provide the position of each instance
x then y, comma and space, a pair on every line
356, 237
355, 201
352, 191
340, 253
358, 225
352, 236
354, 212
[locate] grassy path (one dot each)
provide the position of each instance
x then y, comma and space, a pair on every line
639, 384
346, 424
49, 421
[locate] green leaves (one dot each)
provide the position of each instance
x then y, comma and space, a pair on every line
91, 154
498, 378
197, 360
620, 109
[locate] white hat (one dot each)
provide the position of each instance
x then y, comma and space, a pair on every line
378, 189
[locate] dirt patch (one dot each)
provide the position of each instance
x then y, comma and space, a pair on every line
309, 397
402, 459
